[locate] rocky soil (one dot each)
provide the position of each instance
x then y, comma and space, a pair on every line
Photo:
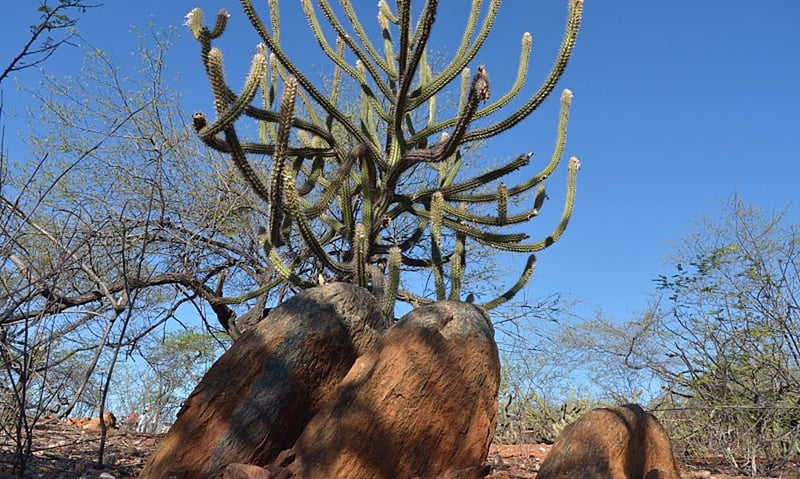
64, 452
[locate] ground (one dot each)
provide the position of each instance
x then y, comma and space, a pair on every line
65, 452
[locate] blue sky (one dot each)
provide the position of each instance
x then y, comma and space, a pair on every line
678, 105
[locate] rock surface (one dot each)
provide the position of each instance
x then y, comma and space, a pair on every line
421, 403
260, 394
617, 443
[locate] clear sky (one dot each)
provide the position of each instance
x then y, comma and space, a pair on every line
678, 105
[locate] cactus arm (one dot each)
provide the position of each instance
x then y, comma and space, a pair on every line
451, 191
437, 209
219, 144
293, 205
228, 111
393, 281
524, 277
359, 53
240, 160
419, 41
263, 289
569, 203
502, 204
384, 19
463, 56
516, 87
313, 176
395, 143
369, 186
266, 129
341, 176
336, 58
275, 20
538, 201
498, 220
361, 255
451, 167
317, 95
478, 91
567, 46
386, 12
274, 117
404, 25
368, 99
345, 203
194, 20
482, 236
279, 161
336, 84
364, 39
286, 272
458, 264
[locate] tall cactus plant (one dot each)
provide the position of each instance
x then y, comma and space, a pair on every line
336, 182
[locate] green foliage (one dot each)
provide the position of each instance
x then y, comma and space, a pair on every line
102, 240
163, 373
339, 203
720, 344
733, 299
531, 414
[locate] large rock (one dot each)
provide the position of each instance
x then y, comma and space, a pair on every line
614, 443
257, 398
422, 403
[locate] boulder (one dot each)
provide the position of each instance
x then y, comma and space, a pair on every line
615, 443
260, 394
245, 471
422, 403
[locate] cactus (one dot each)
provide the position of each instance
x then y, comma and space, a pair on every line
337, 205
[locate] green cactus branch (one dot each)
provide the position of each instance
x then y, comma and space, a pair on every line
403, 48
276, 199
393, 280
285, 271
567, 45
312, 90
337, 57
364, 39
458, 265
451, 191
555, 159
437, 217
357, 189
569, 203
417, 47
463, 56
527, 272
519, 82
366, 61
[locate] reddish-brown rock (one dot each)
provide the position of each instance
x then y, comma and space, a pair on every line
422, 403
614, 443
245, 471
259, 395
